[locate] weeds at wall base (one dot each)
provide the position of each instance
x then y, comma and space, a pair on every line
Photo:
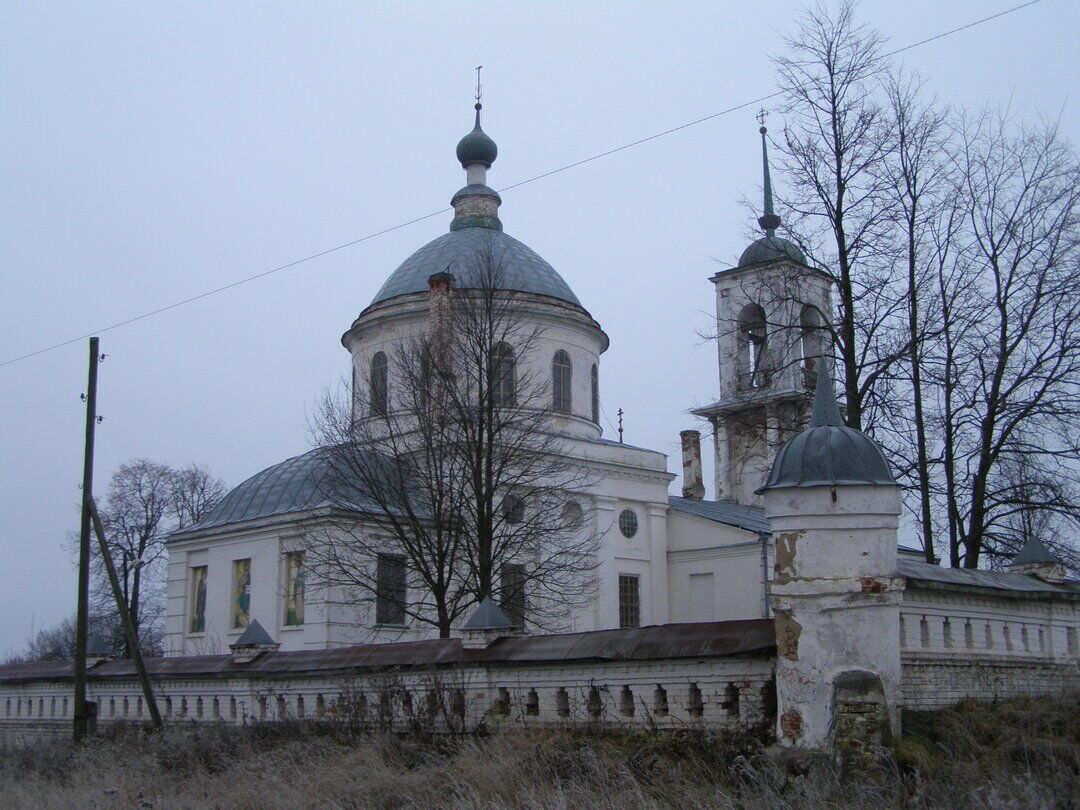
1018, 753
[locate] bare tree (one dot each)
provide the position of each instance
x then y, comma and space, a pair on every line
449, 478
195, 491
1011, 373
57, 643
953, 250
135, 518
925, 220
837, 139
146, 500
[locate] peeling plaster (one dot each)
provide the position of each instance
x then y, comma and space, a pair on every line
788, 632
785, 555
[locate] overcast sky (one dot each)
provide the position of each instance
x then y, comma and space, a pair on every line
153, 151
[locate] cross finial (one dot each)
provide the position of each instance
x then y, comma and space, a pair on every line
762, 116
479, 88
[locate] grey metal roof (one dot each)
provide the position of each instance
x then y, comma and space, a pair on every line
751, 518
915, 570
463, 252
254, 634
488, 616
97, 645
698, 640
770, 249
295, 485
828, 453
1033, 552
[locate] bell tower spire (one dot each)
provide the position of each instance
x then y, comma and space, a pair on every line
768, 221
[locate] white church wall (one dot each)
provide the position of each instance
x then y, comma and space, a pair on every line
957, 644
731, 691
729, 557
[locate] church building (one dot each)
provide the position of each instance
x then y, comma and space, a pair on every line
659, 558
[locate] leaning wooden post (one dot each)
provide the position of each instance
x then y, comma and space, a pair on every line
125, 616
81, 726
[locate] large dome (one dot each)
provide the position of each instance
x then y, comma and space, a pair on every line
463, 252
297, 484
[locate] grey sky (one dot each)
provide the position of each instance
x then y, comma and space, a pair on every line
153, 151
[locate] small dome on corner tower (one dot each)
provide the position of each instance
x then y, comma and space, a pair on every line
477, 147
828, 453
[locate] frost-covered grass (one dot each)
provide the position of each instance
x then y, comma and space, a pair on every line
1016, 754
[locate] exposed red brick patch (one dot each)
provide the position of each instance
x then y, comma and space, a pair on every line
872, 585
791, 724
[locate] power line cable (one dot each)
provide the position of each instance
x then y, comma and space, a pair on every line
533, 179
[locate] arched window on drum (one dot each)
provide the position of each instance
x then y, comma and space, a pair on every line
595, 394
503, 371
378, 385
561, 372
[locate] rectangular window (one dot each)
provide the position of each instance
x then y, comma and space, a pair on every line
197, 610
390, 590
241, 591
512, 593
294, 588
629, 601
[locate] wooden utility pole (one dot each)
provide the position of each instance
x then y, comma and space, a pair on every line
82, 611
125, 616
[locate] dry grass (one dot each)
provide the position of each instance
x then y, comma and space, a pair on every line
1017, 754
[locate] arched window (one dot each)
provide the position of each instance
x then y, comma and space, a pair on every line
503, 371
378, 393
573, 516
513, 508
595, 394
561, 370
810, 337
751, 349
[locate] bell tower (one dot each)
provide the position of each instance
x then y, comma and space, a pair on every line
772, 311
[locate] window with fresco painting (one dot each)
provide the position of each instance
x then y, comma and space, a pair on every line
197, 622
294, 588
241, 591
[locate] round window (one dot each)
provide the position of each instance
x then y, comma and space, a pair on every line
628, 523
573, 517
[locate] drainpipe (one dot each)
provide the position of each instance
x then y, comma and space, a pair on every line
764, 574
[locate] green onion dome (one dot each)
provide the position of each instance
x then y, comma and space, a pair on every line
477, 147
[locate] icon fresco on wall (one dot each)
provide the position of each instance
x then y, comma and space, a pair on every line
198, 599
294, 588
241, 593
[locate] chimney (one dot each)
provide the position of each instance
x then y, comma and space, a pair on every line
439, 286
693, 487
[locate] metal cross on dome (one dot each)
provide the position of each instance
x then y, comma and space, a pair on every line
762, 116
479, 90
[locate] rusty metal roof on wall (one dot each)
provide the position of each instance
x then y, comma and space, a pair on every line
699, 640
